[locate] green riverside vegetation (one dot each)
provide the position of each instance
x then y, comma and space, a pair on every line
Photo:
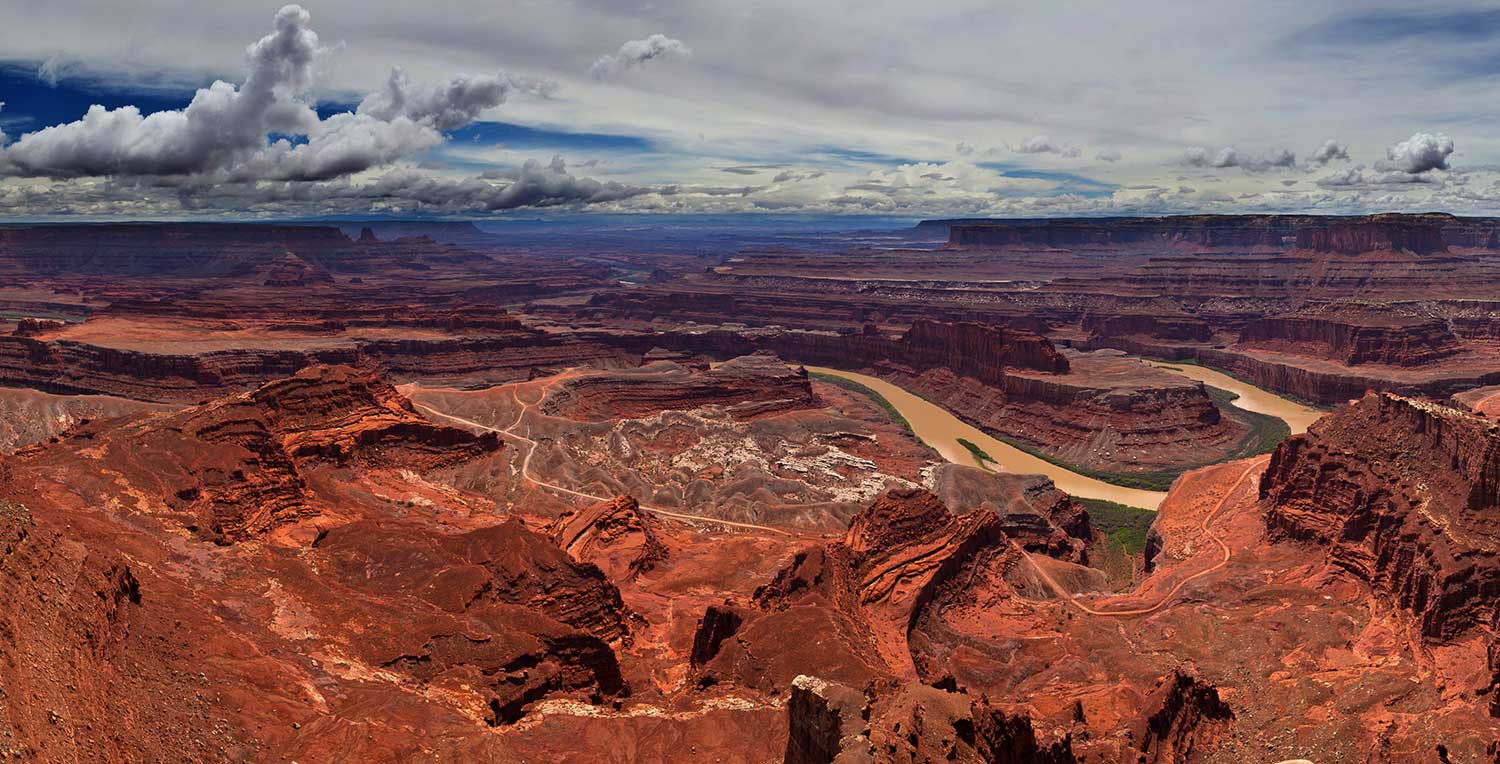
980, 455
1124, 527
852, 386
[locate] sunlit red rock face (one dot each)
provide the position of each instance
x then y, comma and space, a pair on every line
338, 622
616, 535
861, 596
1400, 492
893, 722
233, 469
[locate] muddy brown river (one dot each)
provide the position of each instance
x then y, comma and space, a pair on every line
941, 430
1251, 398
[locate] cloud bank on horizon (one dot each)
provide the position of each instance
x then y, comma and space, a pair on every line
948, 112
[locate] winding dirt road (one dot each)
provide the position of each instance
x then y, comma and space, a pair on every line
509, 432
1203, 525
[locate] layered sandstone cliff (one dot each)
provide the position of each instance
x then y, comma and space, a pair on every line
1400, 492
862, 595
746, 386
982, 351
1264, 232
1417, 234
1354, 337
75, 367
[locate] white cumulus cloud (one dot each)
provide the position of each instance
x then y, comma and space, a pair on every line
1328, 152
1423, 152
637, 52
226, 132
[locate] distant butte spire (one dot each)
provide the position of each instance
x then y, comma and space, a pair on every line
367, 236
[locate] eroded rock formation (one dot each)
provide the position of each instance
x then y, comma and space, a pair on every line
1352, 336
1401, 493
747, 386
1399, 490
616, 535
830, 723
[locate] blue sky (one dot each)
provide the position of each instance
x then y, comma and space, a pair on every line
716, 107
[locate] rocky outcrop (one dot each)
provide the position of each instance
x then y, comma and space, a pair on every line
1189, 721
982, 351
827, 723
1166, 327
233, 469
830, 723
747, 386
540, 623
719, 623
32, 327
978, 350
615, 535
1031, 509
72, 367
1400, 492
504, 564
901, 553
1417, 234
1353, 337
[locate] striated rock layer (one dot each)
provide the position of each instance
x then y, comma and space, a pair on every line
1402, 494
863, 595
615, 535
1418, 234
746, 386
1354, 337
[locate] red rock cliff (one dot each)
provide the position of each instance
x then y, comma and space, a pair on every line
1354, 337
1418, 234
1402, 493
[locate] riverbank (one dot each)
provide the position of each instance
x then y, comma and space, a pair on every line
942, 430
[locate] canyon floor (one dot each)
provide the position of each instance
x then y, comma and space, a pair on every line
1160, 490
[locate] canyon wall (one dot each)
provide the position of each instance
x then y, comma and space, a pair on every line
1356, 338
1418, 234
71, 367
1263, 232
982, 351
1401, 493
1319, 387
